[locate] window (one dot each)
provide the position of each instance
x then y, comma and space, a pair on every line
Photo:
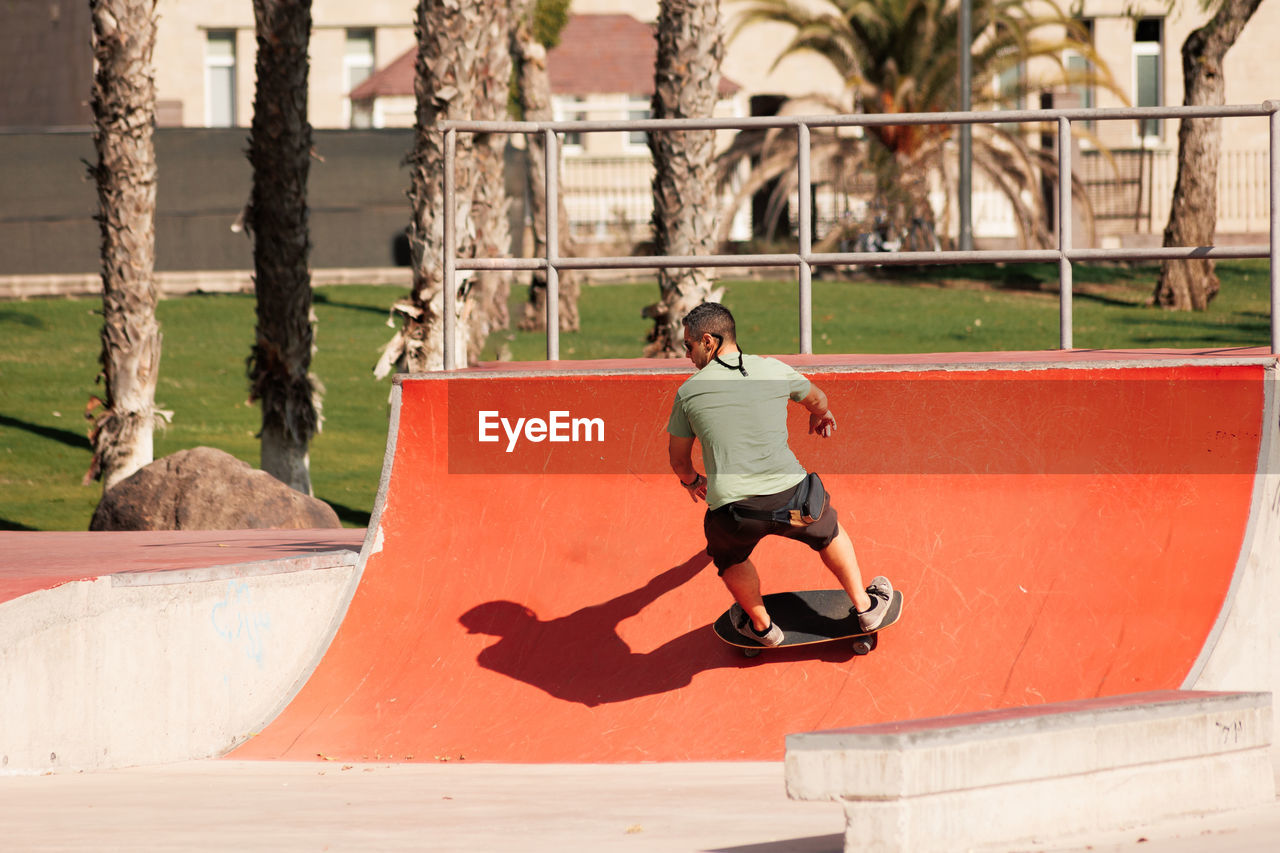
1079, 70
362, 116
638, 109
1009, 86
1148, 81
1010, 89
357, 65
571, 109
220, 78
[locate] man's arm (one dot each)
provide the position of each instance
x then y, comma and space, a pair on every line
821, 421
680, 452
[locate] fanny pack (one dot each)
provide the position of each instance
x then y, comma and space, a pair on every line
805, 507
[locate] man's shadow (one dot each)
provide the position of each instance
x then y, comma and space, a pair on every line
581, 658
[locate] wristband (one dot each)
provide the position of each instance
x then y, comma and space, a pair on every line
691, 483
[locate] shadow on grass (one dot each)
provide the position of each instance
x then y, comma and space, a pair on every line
319, 298
21, 318
1197, 342
65, 436
1014, 276
6, 524
1104, 299
1243, 331
812, 844
347, 515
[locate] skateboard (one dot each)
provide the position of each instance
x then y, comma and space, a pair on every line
810, 616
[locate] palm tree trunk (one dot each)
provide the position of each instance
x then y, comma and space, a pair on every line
280, 151
489, 207
463, 71
535, 103
686, 79
123, 102
1193, 218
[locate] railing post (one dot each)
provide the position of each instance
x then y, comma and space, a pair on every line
551, 150
806, 240
1065, 340
448, 331
1274, 212
964, 189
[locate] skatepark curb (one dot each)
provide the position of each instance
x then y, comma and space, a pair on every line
151, 668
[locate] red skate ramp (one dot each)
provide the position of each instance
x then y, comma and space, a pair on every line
1061, 530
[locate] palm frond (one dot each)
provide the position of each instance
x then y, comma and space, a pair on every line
902, 56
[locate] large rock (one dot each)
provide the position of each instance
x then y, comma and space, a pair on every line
207, 489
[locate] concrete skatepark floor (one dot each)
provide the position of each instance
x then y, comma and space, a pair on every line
648, 808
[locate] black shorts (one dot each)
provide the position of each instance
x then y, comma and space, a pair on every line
731, 538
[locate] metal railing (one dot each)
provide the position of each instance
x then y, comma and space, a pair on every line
805, 259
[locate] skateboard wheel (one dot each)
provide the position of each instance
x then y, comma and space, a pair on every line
750, 653
863, 645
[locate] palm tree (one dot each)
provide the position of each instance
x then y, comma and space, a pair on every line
463, 71
899, 56
686, 80
1193, 218
536, 26
280, 152
124, 102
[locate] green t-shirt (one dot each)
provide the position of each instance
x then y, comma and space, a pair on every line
741, 422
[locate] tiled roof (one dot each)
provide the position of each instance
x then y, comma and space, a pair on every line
608, 54
395, 79
597, 54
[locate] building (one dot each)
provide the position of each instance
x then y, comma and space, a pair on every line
1142, 43
204, 58
46, 61
606, 177
362, 68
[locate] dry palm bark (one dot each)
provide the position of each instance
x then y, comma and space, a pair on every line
123, 102
534, 84
686, 79
1193, 217
463, 71
280, 151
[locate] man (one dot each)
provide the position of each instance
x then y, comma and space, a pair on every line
736, 406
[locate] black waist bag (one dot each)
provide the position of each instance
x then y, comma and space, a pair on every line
805, 507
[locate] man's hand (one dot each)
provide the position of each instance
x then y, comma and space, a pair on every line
680, 450
697, 489
823, 424
821, 421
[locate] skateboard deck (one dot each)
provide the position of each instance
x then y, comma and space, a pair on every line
810, 616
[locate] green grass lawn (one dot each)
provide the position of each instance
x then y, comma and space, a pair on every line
49, 351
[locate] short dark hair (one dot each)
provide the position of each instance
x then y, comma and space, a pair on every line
714, 318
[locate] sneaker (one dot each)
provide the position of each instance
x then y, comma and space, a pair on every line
881, 592
742, 623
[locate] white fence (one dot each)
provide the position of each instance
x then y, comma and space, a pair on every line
610, 199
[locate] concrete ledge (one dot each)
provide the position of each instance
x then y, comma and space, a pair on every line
1038, 774
156, 667
256, 568
180, 282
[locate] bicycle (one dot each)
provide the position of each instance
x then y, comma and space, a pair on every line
917, 236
